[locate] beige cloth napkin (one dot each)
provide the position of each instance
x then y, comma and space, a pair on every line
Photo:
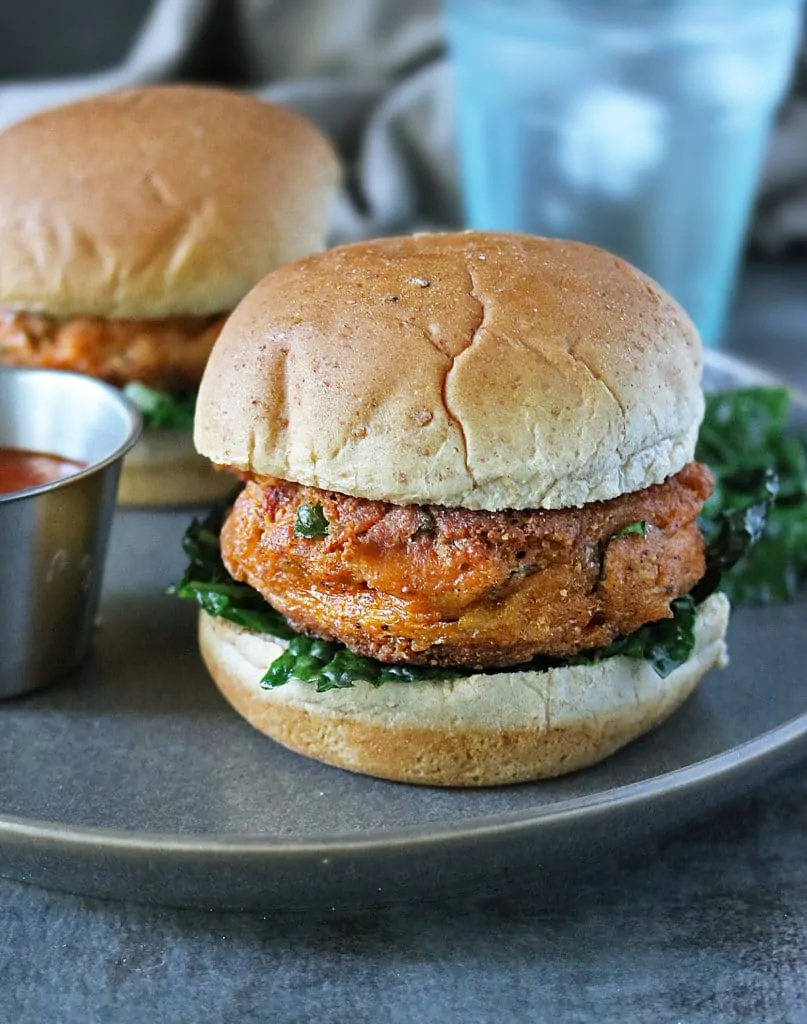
372, 73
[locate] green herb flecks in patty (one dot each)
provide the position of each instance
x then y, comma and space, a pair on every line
632, 529
310, 522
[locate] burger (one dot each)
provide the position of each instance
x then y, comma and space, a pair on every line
467, 550
131, 224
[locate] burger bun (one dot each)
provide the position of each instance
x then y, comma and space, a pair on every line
155, 202
472, 369
477, 730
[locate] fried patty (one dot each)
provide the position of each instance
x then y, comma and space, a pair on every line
443, 586
169, 353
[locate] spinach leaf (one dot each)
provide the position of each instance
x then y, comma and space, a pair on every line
328, 664
207, 582
310, 522
665, 644
639, 528
756, 464
332, 666
161, 408
773, 569
733, 532
740, 426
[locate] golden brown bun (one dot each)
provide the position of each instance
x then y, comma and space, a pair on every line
163, 469
157, 202
479, 370
482, 730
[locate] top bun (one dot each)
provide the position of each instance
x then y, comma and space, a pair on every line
478, 370
162, 201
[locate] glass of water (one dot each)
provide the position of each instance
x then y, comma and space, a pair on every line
638, 125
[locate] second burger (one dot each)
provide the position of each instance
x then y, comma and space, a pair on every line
130, 225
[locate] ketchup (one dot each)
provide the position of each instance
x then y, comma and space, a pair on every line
21, 469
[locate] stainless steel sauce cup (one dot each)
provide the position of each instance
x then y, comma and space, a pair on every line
53, 538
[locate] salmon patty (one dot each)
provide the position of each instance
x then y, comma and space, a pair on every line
449, 586
169, 353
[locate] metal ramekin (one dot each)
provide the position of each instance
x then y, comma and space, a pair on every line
53, 538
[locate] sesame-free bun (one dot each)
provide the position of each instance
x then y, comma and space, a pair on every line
160, 201
470, 369
163, 469
478, 730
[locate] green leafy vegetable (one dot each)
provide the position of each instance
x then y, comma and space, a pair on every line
310, 522
329, 665
332, 666
639, 528
665, 644
160, 408
743, 440
732, 534
207, 582
773, 570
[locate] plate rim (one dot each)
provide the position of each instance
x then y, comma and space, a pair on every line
757, 750
677, 781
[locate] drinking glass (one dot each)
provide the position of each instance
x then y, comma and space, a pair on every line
638, 125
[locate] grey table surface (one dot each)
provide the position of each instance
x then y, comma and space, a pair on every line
705, 925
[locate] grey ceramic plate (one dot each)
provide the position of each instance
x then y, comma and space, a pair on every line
135, 780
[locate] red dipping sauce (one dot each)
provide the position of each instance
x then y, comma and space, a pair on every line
20, 469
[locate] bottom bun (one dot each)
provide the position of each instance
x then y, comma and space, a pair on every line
164, 468
479, 730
